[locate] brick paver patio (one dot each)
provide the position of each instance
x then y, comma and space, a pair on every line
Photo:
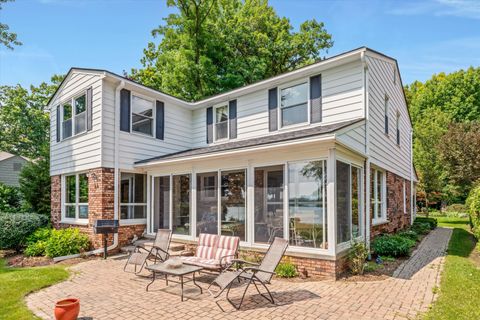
106, 292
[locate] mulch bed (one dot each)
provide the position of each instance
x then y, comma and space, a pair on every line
17, 260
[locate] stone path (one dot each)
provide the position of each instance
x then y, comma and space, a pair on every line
106, 292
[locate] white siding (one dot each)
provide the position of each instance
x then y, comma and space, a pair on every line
342, 100
384, 150
83, 151
134, 147
354, 138
8, 175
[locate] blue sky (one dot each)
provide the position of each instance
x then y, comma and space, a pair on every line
425, 37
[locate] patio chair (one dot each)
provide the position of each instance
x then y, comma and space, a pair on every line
254, 274
158, 252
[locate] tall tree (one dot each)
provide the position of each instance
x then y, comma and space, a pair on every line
24, 120
211, 46
7, 38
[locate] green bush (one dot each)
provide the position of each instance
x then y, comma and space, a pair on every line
473, 206
392, 245
409, 234
357, 256
286, 270
65, 242
37, 242
432, 222
420, 227
10, 198
456, 207
16, 227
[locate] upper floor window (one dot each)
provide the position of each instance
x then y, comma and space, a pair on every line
221, 122
142, 115
398, 128
67, 120
386, 113
294, 104
80, 104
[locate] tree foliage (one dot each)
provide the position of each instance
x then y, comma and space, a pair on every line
211, 46
7, 38
24, 119
35, 185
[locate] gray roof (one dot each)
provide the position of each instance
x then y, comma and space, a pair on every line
235, 145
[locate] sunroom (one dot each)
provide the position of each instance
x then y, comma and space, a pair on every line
309, 192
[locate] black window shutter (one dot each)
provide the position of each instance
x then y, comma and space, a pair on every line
316, 99
272, 109
125, 110
89, 109
59, 121
209, 124
232, 118
160, 120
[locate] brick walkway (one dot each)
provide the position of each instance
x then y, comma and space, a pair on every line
106, 292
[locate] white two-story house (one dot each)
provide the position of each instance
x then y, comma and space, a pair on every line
320, 156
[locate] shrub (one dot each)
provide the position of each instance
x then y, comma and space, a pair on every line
37, 242
420, 227
432, 222
16, 227
409, 234
456, 207
392, 245
357, 256
65, 242
10, 198
473, 205
286, 270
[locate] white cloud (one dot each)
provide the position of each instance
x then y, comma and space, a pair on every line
457, 8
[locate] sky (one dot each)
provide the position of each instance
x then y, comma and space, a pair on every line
426, 37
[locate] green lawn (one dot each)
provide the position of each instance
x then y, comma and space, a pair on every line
15, 283
460, 283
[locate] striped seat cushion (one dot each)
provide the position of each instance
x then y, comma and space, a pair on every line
205, 263
227, 246
207, 245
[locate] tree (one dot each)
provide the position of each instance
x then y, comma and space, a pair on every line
35, 185
7, 38
211, 46
24, 119
459, 152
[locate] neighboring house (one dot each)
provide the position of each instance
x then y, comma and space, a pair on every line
321, 156
10, 167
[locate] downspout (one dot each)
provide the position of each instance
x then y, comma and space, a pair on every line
120, 86
412, 204
367, 150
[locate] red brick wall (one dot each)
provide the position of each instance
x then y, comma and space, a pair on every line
397, 218
100, 206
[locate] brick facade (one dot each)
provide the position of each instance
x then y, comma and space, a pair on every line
100, 206
398, 217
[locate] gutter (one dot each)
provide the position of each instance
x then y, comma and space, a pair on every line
367, 151
120, 86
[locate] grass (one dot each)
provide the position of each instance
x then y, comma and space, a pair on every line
460, 284
16, 283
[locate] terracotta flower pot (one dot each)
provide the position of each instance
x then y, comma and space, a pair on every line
67, 309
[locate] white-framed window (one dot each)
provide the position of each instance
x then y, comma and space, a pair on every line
142, 115
386, 110
221, 122
398, 128
378, 190
133, 196
294, 104
74, 116
75, 197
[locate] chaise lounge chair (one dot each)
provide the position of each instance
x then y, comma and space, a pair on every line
254, 274
158, 252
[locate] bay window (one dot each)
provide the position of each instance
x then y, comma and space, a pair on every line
181, 204
268, 203
377, 194
76, 196
133, 196
232, 203
294, 104
307, 204
142, 115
